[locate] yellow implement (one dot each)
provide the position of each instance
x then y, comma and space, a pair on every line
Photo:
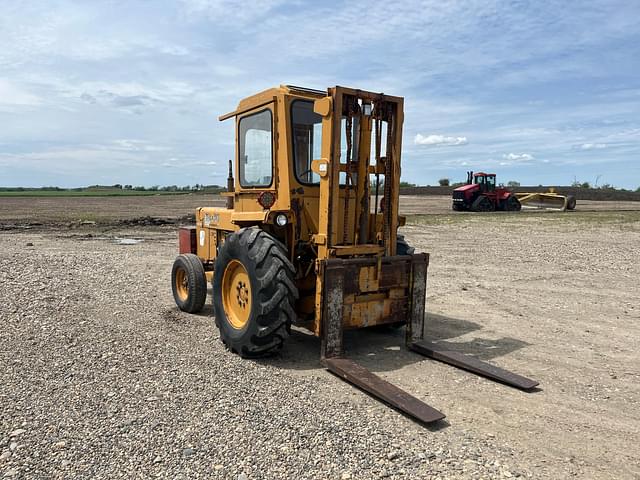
550, 200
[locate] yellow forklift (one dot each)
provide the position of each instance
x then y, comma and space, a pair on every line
309, 236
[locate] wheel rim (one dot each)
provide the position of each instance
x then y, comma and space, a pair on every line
182, 284
236, 294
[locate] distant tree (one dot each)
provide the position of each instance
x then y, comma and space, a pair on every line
128, 187
444, 182
513, 184
154, 188
606, 186
139, 188
407, 184
118, 186
585, 185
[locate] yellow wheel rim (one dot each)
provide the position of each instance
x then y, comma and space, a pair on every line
182, 284
236, 294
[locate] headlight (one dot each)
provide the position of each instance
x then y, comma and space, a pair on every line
281, 220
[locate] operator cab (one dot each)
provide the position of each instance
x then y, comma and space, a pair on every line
486, 181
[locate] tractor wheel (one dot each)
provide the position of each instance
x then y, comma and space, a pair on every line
189, 283
571, 202
402, 247
513, 204
482, 204
253, 293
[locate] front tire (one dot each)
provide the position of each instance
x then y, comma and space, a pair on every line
189, 283
253, 293
571, 202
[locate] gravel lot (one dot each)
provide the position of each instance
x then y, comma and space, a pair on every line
104, 378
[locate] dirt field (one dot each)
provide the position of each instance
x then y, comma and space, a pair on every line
23, 210
102, 377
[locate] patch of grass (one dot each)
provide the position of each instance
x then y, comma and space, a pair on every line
85, 193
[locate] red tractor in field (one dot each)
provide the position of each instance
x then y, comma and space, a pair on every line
480, 194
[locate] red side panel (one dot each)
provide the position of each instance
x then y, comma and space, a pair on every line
503, 194
187, 240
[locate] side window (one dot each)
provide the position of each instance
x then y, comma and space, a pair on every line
307, 139
255, 150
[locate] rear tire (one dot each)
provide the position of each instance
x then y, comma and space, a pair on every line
402, 247
253, 293
189, 283
571, 202
513, 204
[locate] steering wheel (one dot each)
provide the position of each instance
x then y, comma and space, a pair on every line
306, 172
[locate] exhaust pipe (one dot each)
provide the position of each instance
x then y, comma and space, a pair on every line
230, 185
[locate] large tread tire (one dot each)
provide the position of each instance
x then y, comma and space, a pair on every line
402, 247
512, 204
188, 267
571, 202
482, 204
273, 293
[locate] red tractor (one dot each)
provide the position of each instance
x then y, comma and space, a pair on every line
480, 194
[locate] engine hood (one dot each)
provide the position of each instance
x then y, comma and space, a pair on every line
466, 188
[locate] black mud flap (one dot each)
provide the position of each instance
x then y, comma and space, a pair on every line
366, 380
472, 364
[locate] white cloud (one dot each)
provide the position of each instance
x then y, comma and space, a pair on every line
517, 157
593, 146
229, 11
11, 94
130, 145
439, 140
174, 162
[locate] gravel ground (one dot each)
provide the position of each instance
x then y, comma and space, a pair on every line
102, 377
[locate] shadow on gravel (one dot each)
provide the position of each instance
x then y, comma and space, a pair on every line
385, 350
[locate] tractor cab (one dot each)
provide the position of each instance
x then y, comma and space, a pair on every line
486, 181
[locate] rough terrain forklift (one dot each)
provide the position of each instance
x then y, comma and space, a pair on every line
309, 236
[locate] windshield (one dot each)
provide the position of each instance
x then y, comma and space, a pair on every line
306, 128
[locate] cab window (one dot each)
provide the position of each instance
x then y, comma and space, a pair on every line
306, 128
255, 149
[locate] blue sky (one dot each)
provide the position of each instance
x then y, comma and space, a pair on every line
129, 91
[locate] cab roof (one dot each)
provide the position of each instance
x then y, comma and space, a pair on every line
267, 96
